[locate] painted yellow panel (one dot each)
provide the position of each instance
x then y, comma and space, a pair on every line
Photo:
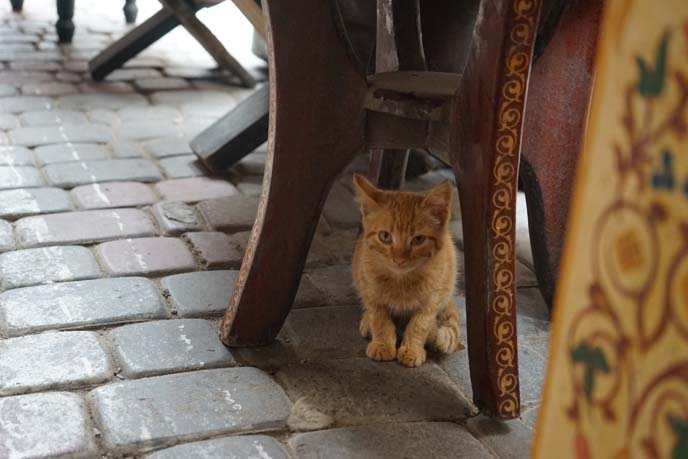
617, 382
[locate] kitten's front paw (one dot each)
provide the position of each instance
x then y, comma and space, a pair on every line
364, 327
381, 352
410, 356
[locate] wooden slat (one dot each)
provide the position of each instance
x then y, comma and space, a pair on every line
431, 85
253, 13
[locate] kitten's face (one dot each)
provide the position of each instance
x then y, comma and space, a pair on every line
403, 229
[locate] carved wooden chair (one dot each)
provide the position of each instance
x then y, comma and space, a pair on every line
459, 91
173, 13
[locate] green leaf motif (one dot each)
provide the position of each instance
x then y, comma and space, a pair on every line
651, 81
594, 361
680, 428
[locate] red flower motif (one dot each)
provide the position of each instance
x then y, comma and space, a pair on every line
581, 447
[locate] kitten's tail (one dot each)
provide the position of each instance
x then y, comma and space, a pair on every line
445, 337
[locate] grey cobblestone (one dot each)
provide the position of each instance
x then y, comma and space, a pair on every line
53, 360
79, 304
19, 177
15, 156
68, 152
145, 129
152, 256
82, 227
508, 439
359, 391
132, 74
27, 267
156, 113
335, 284
168, 346
52, 424
219, 250
175, 218
201, 293
340, 208
156, 410
155, 84
6, 89
113, 194
85, 102
30, 201
8, 122
44, 135
6, 236
437, 440
18, 77
122, 149
241, 447
194, 189
19, 104
68, 175
182, 166
236, 213
167, 146
48, 88
52, 117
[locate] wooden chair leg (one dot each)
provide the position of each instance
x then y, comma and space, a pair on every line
17, 5
316, 128
65, 25
484, 149
187, 16
555, 120
130, 11
138, 39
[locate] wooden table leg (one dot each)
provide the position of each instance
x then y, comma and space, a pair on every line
65, 25
485, 149
17, 5
130, 11
553, 133
316, 128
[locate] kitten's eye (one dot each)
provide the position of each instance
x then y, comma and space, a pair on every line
418, 240
385, 237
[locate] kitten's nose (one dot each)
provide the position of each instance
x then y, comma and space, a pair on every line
399, 261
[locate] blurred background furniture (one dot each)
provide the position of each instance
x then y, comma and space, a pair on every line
172, 14
65, 12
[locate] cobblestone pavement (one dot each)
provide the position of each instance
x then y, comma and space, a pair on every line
118, 256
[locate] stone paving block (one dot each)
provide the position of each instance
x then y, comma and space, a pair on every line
507, 439
30, 201
85, 102
200, 293
235, 213
6, 89
156, 84
26, 267
182, 166
151, 256
48, 89
113, 194
531, 370
44, 135
17, 47
100, 87
15, 156
361, 391
182, 97
52, 424
340, 208
252, 164
194, 189
79, 304
132, 74
7, 121
52, 117
59, 360
20, 104
69, 77
219, 250
68, 175
176, 217
68, 152
105, 116
6, 236
335, 284
339, 244
152, 411
19, 77
150, 113
241, 447
122, 149
19, 177
194, 126
18, 37
38, 65
167, 346
167, 146
145, 129
328, 332
525, 277
530, 416
82, 227
251, 185
429, 440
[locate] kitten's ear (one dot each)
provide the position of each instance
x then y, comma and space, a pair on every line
366, 194
438, 201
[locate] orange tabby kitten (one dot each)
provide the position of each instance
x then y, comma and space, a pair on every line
404, 267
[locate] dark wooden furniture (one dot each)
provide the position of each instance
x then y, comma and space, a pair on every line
173, 13
65, 12
468, 107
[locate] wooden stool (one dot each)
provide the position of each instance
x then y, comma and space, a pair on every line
327, 112
173, 13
